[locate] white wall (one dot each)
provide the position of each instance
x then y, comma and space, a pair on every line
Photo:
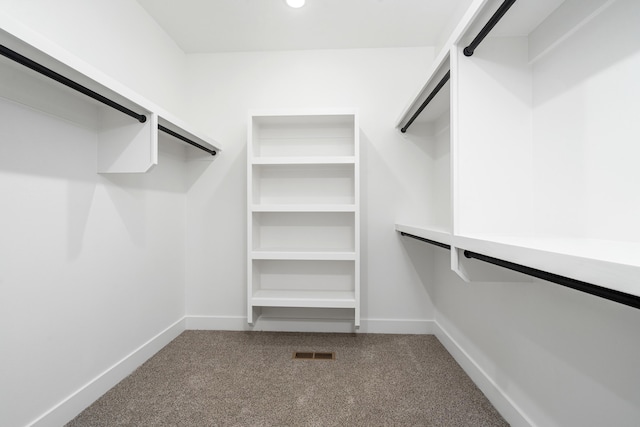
116, 36
586, 104
565, 358
92, 266
223, 87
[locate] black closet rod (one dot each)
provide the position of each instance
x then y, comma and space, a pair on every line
599, 291
15, 56
426, 102
468, 51
187, 140
422, 239
39, 68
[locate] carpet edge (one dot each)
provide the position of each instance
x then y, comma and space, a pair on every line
79, 400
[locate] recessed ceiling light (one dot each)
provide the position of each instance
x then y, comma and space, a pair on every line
295, 3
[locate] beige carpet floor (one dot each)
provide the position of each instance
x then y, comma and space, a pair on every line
214, 378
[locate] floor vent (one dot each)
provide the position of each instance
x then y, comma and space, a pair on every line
308, 355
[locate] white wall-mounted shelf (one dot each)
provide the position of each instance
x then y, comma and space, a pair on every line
613, 265
124, 144
426, 232
312, 160
303, 211
304, 208
308, 299
304, 254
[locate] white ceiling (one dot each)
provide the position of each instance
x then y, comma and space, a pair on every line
202, 26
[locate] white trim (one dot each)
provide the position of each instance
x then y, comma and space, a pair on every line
217, 323
398, 326
74, 404
500, 400
277, 324
85, 396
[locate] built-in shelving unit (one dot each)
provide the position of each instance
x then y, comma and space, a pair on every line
543, 139
125, 144
303, 211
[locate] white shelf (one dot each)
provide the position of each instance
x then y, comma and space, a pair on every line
125, 145
613, 265
306, 160
318, 299
301, 255
426, 232
303, 208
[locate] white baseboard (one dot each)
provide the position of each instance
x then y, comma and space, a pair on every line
397, 326
82, 398
217, 323
70, 407
279, 324
503, 404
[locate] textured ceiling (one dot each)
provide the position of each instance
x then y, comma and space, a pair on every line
200, 26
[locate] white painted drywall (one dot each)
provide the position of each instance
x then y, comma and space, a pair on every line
223, 87
116, 36
91, 266
586, 104
563, 357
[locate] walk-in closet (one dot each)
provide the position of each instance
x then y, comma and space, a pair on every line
320, 212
